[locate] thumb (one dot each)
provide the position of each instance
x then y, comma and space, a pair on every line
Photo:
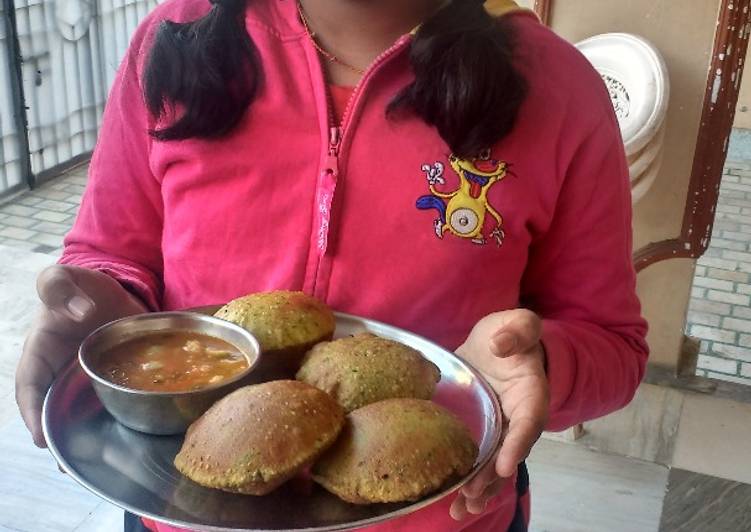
60, 292
517, 332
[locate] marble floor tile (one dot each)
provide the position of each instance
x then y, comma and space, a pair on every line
7, 407
34, 495
104, 518
645, 429
714, 438
578, 490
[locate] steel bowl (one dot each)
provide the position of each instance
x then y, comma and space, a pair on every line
163, 413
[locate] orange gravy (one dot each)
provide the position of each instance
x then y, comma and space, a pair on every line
172, 362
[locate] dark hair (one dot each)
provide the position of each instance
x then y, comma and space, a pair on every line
210, 68
466, 84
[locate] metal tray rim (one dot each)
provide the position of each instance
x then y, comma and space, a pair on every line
411, 508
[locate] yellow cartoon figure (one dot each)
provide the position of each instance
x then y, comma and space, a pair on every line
462, 212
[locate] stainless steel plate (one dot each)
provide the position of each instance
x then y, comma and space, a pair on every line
135, 471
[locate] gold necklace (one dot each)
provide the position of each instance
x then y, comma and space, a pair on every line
327, 55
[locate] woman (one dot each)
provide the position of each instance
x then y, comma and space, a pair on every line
471, 187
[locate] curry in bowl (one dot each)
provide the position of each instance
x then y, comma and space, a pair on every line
158, 372
173, 361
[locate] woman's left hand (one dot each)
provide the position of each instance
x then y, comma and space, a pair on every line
505, 347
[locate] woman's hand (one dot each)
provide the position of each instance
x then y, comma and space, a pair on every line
75, 302
505, 347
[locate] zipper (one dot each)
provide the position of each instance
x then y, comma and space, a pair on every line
377, 62
326, 187
335, 140
330, 173
336, 134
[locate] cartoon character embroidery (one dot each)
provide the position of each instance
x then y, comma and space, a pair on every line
462, 212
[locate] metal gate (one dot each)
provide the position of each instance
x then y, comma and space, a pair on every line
66, 53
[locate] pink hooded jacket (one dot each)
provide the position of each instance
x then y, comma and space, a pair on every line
378, 219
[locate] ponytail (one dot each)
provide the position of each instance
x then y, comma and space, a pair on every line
465, 83
208, 68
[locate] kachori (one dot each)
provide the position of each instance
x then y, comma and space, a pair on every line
259, 436
394, 451
285, 323
365, 368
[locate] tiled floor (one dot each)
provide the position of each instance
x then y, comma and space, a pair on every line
720, 310
38, 219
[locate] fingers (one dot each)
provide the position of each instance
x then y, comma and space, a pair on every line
76, 301
458, 510
33, 377
481, 489
473, 498
501, 335
518, 331
30, 399
59, 291
478, 505
51, 343
522, 435
44, 355
477, 485
521, 383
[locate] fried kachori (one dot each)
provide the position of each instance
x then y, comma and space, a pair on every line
365, 368
260, 436
394, 451
286, 325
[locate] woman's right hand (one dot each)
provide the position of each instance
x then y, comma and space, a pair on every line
75, 302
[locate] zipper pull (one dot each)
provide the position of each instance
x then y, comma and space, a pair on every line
332, 161
326, 187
